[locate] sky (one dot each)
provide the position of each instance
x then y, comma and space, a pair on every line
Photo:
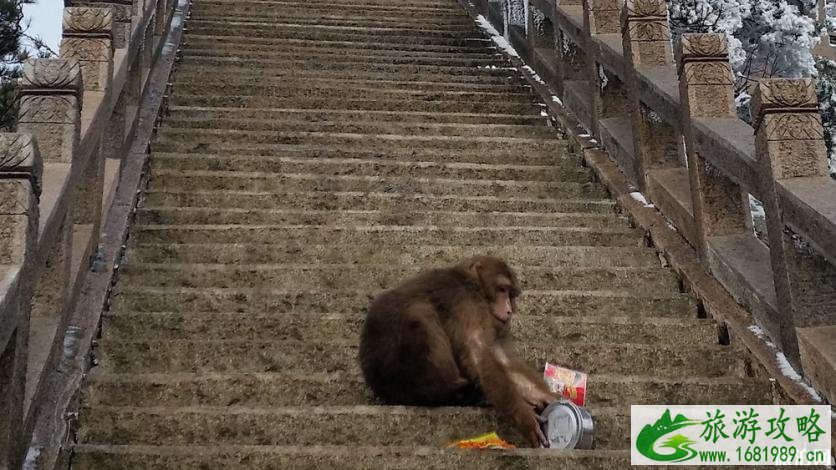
45, 16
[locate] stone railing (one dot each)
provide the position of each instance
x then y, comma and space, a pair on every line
666, 115
58, 175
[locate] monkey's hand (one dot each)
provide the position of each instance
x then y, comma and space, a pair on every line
540, 399
529, 423
533, 390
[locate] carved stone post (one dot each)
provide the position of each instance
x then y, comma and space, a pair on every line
789, 142
608, 93
20, 183
646, 37
706, 91
50, 106
122, 17
87, 37
602, 16
88, 34
646, 34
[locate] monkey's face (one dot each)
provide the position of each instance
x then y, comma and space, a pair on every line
503, 299
498, 284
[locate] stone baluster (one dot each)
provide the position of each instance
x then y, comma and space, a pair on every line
789, 142
116, 132
608, 93
50, 109
87, 38
20, 182
646, 38
706, 91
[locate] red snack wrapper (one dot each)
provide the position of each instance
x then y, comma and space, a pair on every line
569, 383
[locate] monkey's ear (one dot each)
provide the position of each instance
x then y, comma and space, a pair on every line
476, 271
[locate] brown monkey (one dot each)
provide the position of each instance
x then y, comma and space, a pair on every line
437, 339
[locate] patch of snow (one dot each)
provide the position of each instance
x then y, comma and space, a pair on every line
593, 141
783, 363
557, 100
654, 117
534, 75
756, 207
497, 38
544, 113
640, 197
31, 461
603, 76
583, 135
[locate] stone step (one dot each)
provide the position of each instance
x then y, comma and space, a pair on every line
404, 8
196, 216
276, 301
327, 82
202, 46
291, 43
311, 91
324, 65
439, 26
485, 156
339, 125
378, 25
394, 203
419, 15
340, 56
225, 64
316, 426
385, 236
317, 328
563, 169
349, 276
404, 118
414, 184
282, 389
497, 76
303, 357
389, 35
430, 255
451, 105
349, 457
346, 140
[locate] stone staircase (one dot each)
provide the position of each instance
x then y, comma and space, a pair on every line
316, 153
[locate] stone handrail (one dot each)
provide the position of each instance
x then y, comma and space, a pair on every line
667, 117
58, 175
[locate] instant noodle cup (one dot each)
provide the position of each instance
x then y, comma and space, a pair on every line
568, 383
568, 426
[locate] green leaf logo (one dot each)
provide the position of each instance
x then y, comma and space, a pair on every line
680, 444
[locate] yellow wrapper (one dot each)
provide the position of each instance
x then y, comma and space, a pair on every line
485, 441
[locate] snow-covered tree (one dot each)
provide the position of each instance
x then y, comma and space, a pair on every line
827, 102
16, 45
